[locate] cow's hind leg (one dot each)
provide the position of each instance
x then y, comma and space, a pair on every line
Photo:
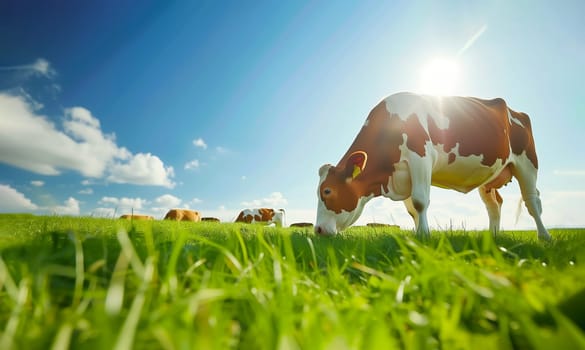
411, 210
493, 203
525, 172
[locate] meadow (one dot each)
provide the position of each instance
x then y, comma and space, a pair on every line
70, 282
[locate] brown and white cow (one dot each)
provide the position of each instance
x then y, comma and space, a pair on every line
410, 142
183, 215
136, 217
265, 215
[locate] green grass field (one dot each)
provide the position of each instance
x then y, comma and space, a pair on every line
111, 284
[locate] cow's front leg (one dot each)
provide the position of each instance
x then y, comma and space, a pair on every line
420, 201
420, 170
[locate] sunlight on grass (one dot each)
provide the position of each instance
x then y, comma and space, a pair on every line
109, 284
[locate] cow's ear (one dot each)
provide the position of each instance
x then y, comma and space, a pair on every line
324, 169
356, 163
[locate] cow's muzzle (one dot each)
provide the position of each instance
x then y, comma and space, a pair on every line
323, 232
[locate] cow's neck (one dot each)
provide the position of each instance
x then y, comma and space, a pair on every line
375, 177
380, 138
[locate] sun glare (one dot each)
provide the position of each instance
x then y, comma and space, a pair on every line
439, 76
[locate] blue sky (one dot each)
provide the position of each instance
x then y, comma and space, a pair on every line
221, 105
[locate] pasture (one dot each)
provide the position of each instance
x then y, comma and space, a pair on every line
111, 284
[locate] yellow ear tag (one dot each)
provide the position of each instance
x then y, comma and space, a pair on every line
356, 171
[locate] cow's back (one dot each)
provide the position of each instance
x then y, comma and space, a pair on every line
183, 215
256, 215
172, 214
476, 127
470, 137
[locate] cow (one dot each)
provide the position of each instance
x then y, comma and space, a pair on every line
266, 215
210, 219
183, 215
136, 217
302, 224
410, 142
376, 224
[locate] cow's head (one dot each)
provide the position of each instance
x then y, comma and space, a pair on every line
278, 217
340, 201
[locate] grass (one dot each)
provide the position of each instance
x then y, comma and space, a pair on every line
110, 284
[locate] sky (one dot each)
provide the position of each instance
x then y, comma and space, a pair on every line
112, 106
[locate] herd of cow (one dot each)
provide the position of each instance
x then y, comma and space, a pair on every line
266, 216
410, 142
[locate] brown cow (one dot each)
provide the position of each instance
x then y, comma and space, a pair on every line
210, 219
411, 142
302, 224
136, 217
266, 215
183, 215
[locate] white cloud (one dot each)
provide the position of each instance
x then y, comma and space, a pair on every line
104, 212
168, 201
37, 183
196, 201
221, 150
84, 125
39, 67
275, 199
200, 143
109, 200
69, 207
86, 182
124, 203
86, 191
194, 164
244, 178
13, 201
142, 169
43, 67
30, 141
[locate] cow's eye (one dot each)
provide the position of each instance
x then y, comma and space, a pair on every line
327, 191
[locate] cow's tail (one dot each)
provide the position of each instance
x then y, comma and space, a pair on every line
518, 211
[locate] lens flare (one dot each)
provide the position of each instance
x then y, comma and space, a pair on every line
439, 76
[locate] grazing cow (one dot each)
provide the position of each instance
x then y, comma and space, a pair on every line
266, 215
183, 215
210, 219
410, 142
136, 217
302, 224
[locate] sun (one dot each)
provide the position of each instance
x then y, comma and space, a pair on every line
439, 76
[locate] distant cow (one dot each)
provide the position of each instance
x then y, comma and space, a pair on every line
302, 224
375, 224
183, 215
411, 142
265, 215
136, 217
210, 219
